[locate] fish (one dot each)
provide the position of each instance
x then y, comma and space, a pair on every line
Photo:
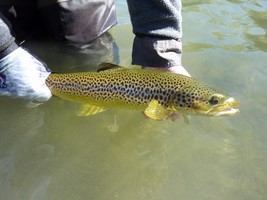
160, 94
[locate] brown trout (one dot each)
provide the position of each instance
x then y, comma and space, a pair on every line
160, 94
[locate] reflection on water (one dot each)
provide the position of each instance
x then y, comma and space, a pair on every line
233, 25
49, 153
63, 57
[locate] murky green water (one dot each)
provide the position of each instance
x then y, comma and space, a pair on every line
49, 153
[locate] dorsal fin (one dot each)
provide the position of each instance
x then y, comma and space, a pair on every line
107, 66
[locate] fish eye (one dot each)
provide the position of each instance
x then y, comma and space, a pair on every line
213, 100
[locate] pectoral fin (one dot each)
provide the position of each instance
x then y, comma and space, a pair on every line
157, 111
87, 110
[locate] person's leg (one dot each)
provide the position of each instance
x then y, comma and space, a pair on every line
78, 21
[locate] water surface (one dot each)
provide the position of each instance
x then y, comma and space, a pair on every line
48, 152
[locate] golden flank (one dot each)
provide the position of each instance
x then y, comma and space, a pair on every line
159, 94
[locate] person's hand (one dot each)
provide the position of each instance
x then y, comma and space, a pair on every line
23, 76
174, 69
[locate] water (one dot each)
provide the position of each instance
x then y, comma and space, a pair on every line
49, 153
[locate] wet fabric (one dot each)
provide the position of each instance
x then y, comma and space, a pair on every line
79, 21
157, 25
7, 44
23, 75
157, 52
72, 20
158, 18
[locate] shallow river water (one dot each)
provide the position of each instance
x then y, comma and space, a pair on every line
48, 152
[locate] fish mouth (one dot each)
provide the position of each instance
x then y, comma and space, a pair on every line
228, 108
227, 112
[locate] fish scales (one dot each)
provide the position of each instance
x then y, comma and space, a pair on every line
159, 93
124, 87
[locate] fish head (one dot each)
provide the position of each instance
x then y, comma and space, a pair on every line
202, 99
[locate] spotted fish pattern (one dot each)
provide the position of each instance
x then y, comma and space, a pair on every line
136, 88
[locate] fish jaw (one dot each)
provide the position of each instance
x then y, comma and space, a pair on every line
227, 112
227, 108
230, 108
